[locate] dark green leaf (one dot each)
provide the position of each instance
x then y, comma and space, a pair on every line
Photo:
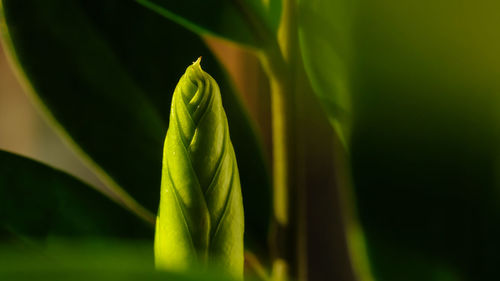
326, 45
249, 22
106, 71
38, 201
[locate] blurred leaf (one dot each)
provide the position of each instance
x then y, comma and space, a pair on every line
89, 260
55, 274
106, 71
244, 21
325, 43
38, 202
423, 81
425, 143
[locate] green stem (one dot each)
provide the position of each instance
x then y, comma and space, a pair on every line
284, 182
282, 59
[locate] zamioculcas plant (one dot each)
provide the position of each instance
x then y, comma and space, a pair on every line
200, 219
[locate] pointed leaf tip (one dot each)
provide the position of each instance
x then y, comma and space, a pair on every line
198, 61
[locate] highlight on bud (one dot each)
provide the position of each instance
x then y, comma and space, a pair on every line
200, 219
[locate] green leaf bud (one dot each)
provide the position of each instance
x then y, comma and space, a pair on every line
200, 219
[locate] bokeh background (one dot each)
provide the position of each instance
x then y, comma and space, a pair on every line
425, 144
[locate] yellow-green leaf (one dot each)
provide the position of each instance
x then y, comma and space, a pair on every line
200, 220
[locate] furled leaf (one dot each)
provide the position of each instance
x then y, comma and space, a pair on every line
105, 71
37, 202
248, 22
326, 44
200, 220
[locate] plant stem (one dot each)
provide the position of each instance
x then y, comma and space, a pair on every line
284, 172
281, 60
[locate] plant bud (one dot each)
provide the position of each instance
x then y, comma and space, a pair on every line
200, 219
